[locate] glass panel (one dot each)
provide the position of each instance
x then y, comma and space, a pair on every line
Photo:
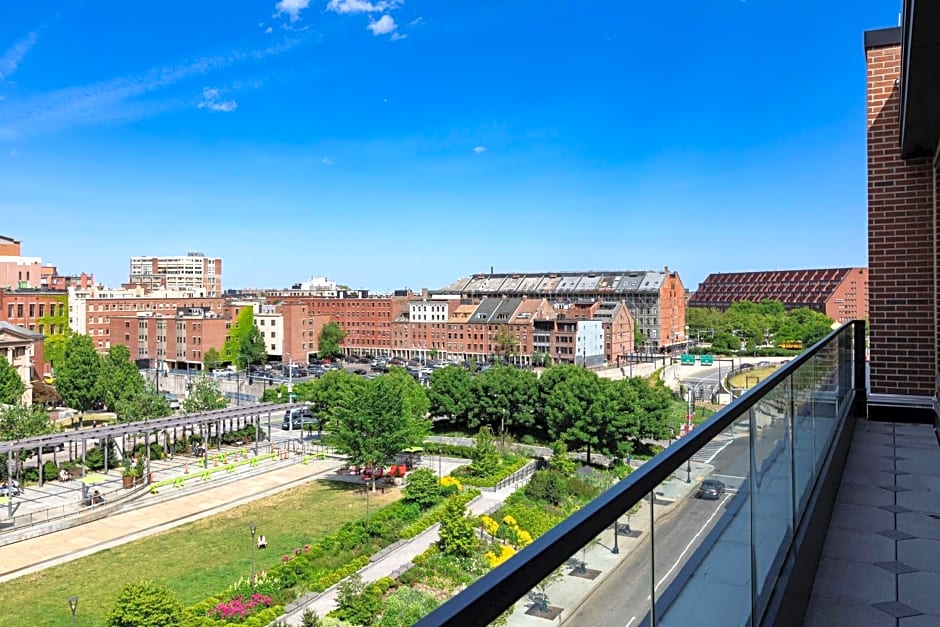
846, 368
824, 399
771, 500
702, 537
804, 436
616, 571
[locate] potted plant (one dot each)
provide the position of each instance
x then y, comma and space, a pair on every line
139, 471
127, 475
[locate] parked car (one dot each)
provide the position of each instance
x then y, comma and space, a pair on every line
298, 418
172, 400
711, 489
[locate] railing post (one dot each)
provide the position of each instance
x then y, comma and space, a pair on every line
860, 384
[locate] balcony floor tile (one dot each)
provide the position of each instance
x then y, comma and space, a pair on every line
825, 611
921, 554
919, 590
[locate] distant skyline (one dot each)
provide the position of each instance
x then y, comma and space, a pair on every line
388, 144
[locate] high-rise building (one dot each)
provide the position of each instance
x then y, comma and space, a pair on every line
193, 271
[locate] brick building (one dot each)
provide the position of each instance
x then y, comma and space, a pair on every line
840, 293
367, 321
100, 311
193, 271
656, 300
903, 187
23, 349
177, 338
33, 309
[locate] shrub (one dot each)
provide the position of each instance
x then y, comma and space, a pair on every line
145, 604
239, 607
457, 536
436, 514
548, 486
422, 488
405, 607
485, 459
356, 603
310, 619
50, 471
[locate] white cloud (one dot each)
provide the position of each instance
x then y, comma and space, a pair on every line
361, 6
382, 26
210, 101
479, 149
397, 36
268, 30
291, 7
12, 58
326, 161
121, 99
418, 21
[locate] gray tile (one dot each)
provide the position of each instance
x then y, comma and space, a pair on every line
861, 517
917, 431
920, 590
918, 442
919, 524
921, 553
828, 610
919, 501
922, 620
872, 426
896, 567
858, 462
930, 467
855, 546
898, 610
863, 495
865, 475
895, 488
896, 535
865, 582
920, 482
894, 509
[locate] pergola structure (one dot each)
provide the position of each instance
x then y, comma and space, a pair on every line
206, 424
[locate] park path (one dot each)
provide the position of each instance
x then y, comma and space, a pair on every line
395, 561
30, 556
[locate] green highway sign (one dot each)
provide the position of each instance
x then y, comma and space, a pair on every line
708, 360
687, 360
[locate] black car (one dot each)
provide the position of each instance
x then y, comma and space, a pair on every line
710, 489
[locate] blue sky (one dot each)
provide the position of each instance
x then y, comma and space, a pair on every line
389, 144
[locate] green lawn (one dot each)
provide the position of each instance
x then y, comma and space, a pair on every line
195, 561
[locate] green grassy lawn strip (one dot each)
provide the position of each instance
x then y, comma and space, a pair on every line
195, 561
749, 378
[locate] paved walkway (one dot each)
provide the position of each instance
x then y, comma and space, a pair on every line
36, 554
396, 561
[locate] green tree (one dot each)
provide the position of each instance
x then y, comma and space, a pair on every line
484, 458
251, 349
357, 603
212, 359
505, 398
11, 385
77, 374
384, 419
457, 535
146, 604
205, 396
450, 394
118, 377
405, 607
147, 404
561, 459
506, 344
21, 421
330, 340
244, 323
334, 390
423, 488
574, 411
310, 619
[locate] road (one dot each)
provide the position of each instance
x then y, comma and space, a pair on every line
623, 599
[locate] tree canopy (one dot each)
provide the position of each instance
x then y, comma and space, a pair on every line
242, 343
118, 377
77, 373
11, 385
145, 404
330, 340
747, 326
204, 396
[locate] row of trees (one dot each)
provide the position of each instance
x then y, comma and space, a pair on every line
566, 403
756, 325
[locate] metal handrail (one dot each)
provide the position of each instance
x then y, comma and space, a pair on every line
487, 598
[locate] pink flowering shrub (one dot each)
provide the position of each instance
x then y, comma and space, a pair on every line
238, 608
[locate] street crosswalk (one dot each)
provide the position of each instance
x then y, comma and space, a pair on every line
711, 450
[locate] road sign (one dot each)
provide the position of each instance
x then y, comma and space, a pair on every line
687, 360
708, 360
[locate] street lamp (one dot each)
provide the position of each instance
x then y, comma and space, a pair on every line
73, 605
253, 528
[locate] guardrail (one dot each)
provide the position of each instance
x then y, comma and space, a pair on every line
732, 558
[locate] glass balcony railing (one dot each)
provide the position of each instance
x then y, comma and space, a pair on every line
699, 534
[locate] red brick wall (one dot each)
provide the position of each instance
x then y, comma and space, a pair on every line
901, 233
849, 301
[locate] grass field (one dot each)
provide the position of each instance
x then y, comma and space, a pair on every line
195, 561
749, 378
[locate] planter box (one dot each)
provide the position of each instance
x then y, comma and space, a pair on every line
127, 481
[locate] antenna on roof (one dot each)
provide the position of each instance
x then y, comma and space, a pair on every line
491, 270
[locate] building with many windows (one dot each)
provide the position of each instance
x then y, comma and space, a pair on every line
840, 293
193, 271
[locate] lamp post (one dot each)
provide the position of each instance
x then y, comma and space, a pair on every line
688, 471
73, 605
253, 528
616, 549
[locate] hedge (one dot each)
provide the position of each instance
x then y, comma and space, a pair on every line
436, 513
491, 480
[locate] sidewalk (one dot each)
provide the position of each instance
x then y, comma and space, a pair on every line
36, 554
398, 560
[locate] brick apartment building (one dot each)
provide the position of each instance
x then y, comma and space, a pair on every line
903, 188
32, 309
367, 321
656, 300
193, 271
840, 293
99, 313
178, 338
